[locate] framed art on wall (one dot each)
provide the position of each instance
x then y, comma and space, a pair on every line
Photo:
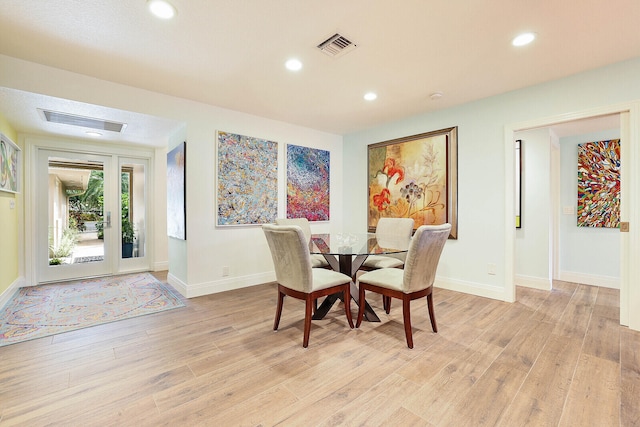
415, 177
247, 180
599, 184
176, 190
518, 185
10, 160
308, 171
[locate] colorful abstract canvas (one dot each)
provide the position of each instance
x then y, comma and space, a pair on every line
176, 180
247, 180
599, 184
9, 161
308, 171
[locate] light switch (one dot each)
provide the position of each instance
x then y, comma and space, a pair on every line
567, 210
12, 204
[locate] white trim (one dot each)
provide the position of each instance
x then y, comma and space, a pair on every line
630, 271
228, 284
590, 279
160, 266
473, 288
8, 293
543, 283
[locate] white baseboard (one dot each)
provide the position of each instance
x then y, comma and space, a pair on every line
160, 266
533, 282
213, 287
8, 293
590, 279
478, 289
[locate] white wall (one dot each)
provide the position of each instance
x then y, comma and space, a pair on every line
195, 266
587, 255
481, 165
533, 239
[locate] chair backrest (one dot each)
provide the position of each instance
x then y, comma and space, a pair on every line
290, 253
394, 227
300, 222
392, 230
423, 256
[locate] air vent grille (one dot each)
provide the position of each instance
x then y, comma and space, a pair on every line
87, 122
336, 45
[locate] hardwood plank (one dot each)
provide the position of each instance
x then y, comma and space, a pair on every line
603, 338
541, 397
594, 395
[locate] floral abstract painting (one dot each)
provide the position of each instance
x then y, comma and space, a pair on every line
247, 180
176, 187
414, 177
599, 184
308, 171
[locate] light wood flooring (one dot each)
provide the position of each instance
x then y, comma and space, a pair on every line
552, 358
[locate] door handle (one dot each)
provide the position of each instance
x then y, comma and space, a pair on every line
107, 223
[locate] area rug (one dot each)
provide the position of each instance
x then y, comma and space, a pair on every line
40, 311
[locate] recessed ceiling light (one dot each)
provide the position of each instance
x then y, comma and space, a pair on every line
523, 39
93, 134
293, 65
161, 8
370, 96
436, 96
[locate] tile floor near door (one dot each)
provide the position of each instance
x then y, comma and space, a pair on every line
552, 358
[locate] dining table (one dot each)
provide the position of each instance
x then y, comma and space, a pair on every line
346, 252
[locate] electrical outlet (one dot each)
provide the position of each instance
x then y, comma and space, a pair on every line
492, 269
225, 271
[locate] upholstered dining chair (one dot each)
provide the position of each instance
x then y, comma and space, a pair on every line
414, 281
295, 276
317, 260
389, 229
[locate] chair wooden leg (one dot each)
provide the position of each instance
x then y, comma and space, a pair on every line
432, 315
361, 303
386, 303
347, 305
406, 314
307, 321
278, 310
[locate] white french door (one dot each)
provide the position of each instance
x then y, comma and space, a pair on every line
65, 249
90, 215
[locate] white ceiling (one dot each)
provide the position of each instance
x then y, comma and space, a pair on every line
231, 53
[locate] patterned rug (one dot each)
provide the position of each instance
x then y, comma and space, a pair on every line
40, 311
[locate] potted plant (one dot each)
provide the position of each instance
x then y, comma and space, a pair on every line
127, 238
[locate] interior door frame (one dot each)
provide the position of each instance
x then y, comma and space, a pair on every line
629, 196
32, 145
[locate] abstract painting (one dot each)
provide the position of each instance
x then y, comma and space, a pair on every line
9, 161
247, 180
308, 171
176, 187
599, 184
415, 177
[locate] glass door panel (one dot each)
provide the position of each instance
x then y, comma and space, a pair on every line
133, 211
72, 216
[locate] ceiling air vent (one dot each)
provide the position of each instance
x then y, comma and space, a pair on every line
87, 122
336, 46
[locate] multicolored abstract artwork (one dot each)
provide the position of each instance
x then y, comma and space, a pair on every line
247, 180
176, 180
308, 171
9, 159
599, 184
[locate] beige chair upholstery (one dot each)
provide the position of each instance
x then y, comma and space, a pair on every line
317, 260
388, 230
295, 276
415, 281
